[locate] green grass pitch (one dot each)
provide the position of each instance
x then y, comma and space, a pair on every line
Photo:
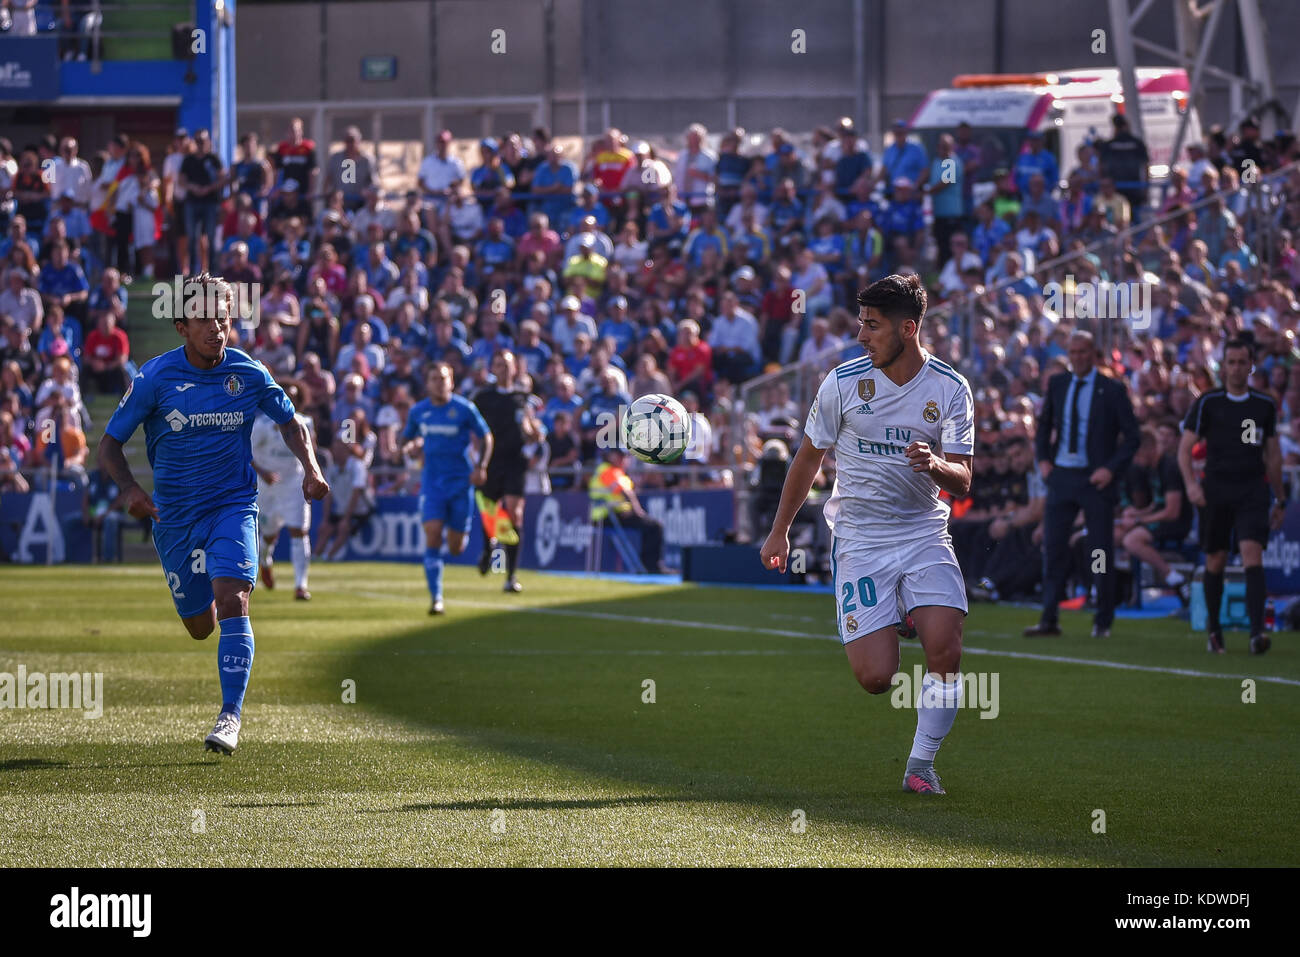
514, 732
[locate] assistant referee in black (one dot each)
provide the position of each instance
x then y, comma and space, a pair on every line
1242, 460
513, 425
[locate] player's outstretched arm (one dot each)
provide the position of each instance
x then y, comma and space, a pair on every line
298, 440
112, 461
798, 480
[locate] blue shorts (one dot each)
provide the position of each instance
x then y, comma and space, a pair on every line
453, 505
222, 544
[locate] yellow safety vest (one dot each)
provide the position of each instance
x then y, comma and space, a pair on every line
606, 488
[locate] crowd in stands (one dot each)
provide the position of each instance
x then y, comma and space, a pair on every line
621, 271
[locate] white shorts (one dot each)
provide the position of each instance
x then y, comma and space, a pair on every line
876, 585
282, 507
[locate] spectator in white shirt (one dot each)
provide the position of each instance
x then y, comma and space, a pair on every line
819, 343
735, 221
441, 175
361, 344
569, 324
72, 173
695, 167
962, 258
734, 340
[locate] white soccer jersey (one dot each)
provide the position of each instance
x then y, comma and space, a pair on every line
270, 452
870, 422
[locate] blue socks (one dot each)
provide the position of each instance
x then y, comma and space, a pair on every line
235, 658
433, 571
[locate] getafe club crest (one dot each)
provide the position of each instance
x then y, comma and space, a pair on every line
233, 384
931, 412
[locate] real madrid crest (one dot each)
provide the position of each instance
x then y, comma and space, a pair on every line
851, 623
233, 384
931, 412
866, 389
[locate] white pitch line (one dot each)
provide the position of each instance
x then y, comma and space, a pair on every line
782, 633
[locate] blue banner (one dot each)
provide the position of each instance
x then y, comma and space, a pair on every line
557, 529
1282, 556
35, 524
29, 69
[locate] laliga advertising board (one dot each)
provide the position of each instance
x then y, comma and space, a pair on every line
1282, 556
557, 529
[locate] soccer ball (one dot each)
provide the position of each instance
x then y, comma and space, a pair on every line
656, 429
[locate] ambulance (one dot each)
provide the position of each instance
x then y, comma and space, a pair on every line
1069, 108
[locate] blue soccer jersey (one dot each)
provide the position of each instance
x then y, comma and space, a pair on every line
197, 425
446, 430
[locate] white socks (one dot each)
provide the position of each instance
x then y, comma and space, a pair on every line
300, 550
935, 712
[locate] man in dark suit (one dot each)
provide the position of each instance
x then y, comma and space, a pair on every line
1087, 436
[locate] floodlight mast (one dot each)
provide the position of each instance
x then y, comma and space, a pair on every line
1196, 26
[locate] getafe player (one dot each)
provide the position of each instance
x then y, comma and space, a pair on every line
197, 404
443, 428
902, 426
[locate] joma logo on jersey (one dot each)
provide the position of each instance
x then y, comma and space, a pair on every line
226, 421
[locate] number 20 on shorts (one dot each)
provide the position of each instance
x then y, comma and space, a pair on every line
866, 594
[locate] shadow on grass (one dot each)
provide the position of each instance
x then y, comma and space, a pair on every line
783, 733
273, 804
643, 800
31, 764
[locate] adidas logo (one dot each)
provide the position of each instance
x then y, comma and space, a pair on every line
864, 409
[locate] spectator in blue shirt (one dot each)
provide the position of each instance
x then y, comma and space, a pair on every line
491, 339
506, 209
1036, 160
531, 350
669, 219
492, 174
495, 252
62, 282
854, 163
619, 327
904, 216
988, 232
554, 181
444, 344
903, 159
706, 235
566, 399
587, 206
409, 330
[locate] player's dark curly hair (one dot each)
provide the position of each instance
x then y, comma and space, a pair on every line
896, 297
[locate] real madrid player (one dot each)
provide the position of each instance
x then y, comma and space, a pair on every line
279, 497
901, 424
443, 428
197, 404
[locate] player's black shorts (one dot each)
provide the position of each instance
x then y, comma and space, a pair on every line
1240, 507
505, 476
